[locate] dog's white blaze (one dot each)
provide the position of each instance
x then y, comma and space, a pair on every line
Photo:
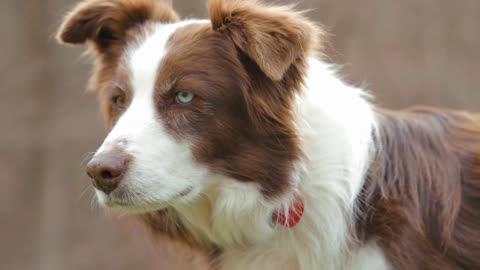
162, 167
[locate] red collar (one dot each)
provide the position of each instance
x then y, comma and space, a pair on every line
295, 213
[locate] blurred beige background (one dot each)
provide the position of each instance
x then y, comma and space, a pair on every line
406, 51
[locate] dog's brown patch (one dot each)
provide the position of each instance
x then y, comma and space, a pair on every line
105, 22
273, 37
242, 121
421, 201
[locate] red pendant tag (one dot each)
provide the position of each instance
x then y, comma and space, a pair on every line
295, 213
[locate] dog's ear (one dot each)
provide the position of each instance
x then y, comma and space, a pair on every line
105, 22
273, 37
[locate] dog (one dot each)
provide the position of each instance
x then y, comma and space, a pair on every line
231, 135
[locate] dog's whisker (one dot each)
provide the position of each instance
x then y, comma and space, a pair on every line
86, 158
88, 188
93, 201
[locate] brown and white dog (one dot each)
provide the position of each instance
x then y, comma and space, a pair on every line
230, 134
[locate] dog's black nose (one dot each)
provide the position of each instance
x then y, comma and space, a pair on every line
108, 169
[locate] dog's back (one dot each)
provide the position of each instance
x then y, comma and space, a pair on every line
422, 197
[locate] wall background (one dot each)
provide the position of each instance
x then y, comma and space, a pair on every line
407, 52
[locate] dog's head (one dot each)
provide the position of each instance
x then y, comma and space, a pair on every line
192, 104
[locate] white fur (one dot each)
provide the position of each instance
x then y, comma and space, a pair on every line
368, 257
335, 123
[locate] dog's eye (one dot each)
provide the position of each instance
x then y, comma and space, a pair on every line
184, 97
119, 102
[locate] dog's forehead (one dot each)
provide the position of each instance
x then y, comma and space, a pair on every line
144, 58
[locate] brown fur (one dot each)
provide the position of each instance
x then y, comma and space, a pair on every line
105, 22
273, 37
421, 201
239, 121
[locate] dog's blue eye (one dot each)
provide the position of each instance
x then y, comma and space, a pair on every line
184, 97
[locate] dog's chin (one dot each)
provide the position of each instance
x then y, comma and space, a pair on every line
138, 207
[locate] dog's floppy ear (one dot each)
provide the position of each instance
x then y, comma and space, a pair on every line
273, 37
105, 22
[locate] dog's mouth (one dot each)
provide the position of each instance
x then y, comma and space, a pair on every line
123, 200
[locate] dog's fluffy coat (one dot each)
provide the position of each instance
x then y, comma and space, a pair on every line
381, 189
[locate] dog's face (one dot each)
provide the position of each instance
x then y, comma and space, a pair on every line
192, 104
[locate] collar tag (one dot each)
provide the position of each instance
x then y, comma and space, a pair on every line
295, 213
